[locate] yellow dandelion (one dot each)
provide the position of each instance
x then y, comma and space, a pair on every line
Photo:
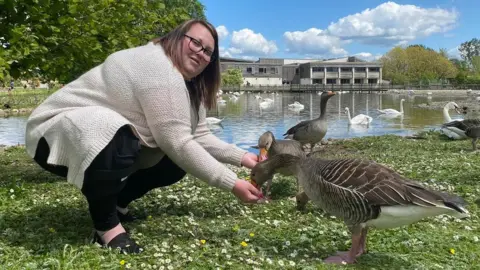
149, 217
52, 230
247, 178
236, 228
203, 241
244, 244
122, 262
452, 251
252, 234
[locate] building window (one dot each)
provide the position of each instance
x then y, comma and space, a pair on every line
374, 69
359, 69
273, 70
317, 69
249, 70
317, 81
372, 81
331, 81
344, 81
297, 71
347, 69
358, 81
262, 70
332, 69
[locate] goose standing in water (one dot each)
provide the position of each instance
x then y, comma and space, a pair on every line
363, 193
393, 111
270, 147
311, 131
360, 119
469, 128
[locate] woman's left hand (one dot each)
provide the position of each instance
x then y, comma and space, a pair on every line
249, 160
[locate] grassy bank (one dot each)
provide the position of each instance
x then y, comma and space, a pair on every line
45, 224
19, 99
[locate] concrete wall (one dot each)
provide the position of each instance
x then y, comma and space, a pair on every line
262, 81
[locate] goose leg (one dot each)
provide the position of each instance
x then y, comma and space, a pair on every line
362, 245
474, 144
356, 249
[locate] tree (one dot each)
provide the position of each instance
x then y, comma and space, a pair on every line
55, 39
469, 49
416, 63
232, 77
476, 64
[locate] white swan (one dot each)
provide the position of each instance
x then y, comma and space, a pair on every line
213, 120
360, 119
266, 104
393, 111
296, 105
452, 132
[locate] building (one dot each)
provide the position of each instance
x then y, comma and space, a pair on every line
348, 70
278, 71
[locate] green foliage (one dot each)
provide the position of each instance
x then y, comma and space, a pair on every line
470, 49
54, 39
45, 222
232, 77
416, 63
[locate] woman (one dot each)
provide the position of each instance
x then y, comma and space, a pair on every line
137, 122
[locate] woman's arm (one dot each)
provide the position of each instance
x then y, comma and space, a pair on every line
222, 151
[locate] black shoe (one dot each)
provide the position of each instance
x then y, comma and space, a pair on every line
128, 217
122, 241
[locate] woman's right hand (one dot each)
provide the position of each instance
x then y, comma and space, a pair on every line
246, 192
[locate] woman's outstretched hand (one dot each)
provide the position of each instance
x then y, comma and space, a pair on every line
249, 160
246, 192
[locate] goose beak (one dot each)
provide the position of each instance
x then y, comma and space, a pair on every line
263, 155
458, 110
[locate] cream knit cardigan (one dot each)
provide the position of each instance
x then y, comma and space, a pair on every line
138, 87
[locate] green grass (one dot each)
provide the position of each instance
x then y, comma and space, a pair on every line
44, 222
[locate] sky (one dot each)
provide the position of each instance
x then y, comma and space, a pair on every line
313, 29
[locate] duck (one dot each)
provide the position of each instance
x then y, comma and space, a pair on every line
393, 111
364, 194
452, 132
311, 131
469, 128
269, 147
360, 119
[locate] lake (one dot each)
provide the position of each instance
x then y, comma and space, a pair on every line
244, 120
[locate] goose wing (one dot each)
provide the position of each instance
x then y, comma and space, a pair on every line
378, 184
463, 125
301, 127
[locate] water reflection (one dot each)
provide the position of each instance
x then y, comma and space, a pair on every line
248, 115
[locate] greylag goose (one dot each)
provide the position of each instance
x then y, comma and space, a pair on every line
363, 193
269, 147
311, 131
461, 126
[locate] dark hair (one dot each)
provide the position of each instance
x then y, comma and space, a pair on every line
204, 87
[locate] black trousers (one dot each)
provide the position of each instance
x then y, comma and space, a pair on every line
103, 187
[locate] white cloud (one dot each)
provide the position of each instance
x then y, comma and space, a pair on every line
391, 23
387, 24
222, 32
224, 53
368, 56
313, 41
246, 41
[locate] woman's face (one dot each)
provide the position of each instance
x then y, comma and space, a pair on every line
197, 47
